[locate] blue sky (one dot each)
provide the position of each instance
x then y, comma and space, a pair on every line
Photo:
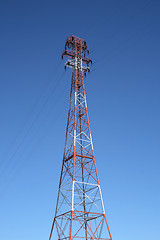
123, 103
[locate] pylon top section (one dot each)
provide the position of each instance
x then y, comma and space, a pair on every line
77, 50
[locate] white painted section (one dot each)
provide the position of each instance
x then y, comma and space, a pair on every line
74, 137
91, 141
75, 98
85, 101
75, 129
88, 183
101, 198
75, 65
73, 195
81, 65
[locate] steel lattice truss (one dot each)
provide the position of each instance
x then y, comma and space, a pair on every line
79, 211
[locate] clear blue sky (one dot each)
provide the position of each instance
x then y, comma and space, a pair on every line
123, 94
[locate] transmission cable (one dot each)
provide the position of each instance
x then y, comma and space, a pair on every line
31, 126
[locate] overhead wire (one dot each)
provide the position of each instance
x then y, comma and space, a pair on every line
44, 88
103, 61
101, 58
141, 33
126, 21
31, 126
93, 28
23, 162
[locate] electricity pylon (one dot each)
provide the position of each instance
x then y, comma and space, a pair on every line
80, 210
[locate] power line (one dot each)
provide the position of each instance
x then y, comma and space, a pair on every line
126, 21
31, 126
14, 175
46, 85
93, 28
119, 47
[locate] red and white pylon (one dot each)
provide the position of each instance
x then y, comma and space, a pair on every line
80, 212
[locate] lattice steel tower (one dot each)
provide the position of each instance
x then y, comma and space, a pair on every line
80, 210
